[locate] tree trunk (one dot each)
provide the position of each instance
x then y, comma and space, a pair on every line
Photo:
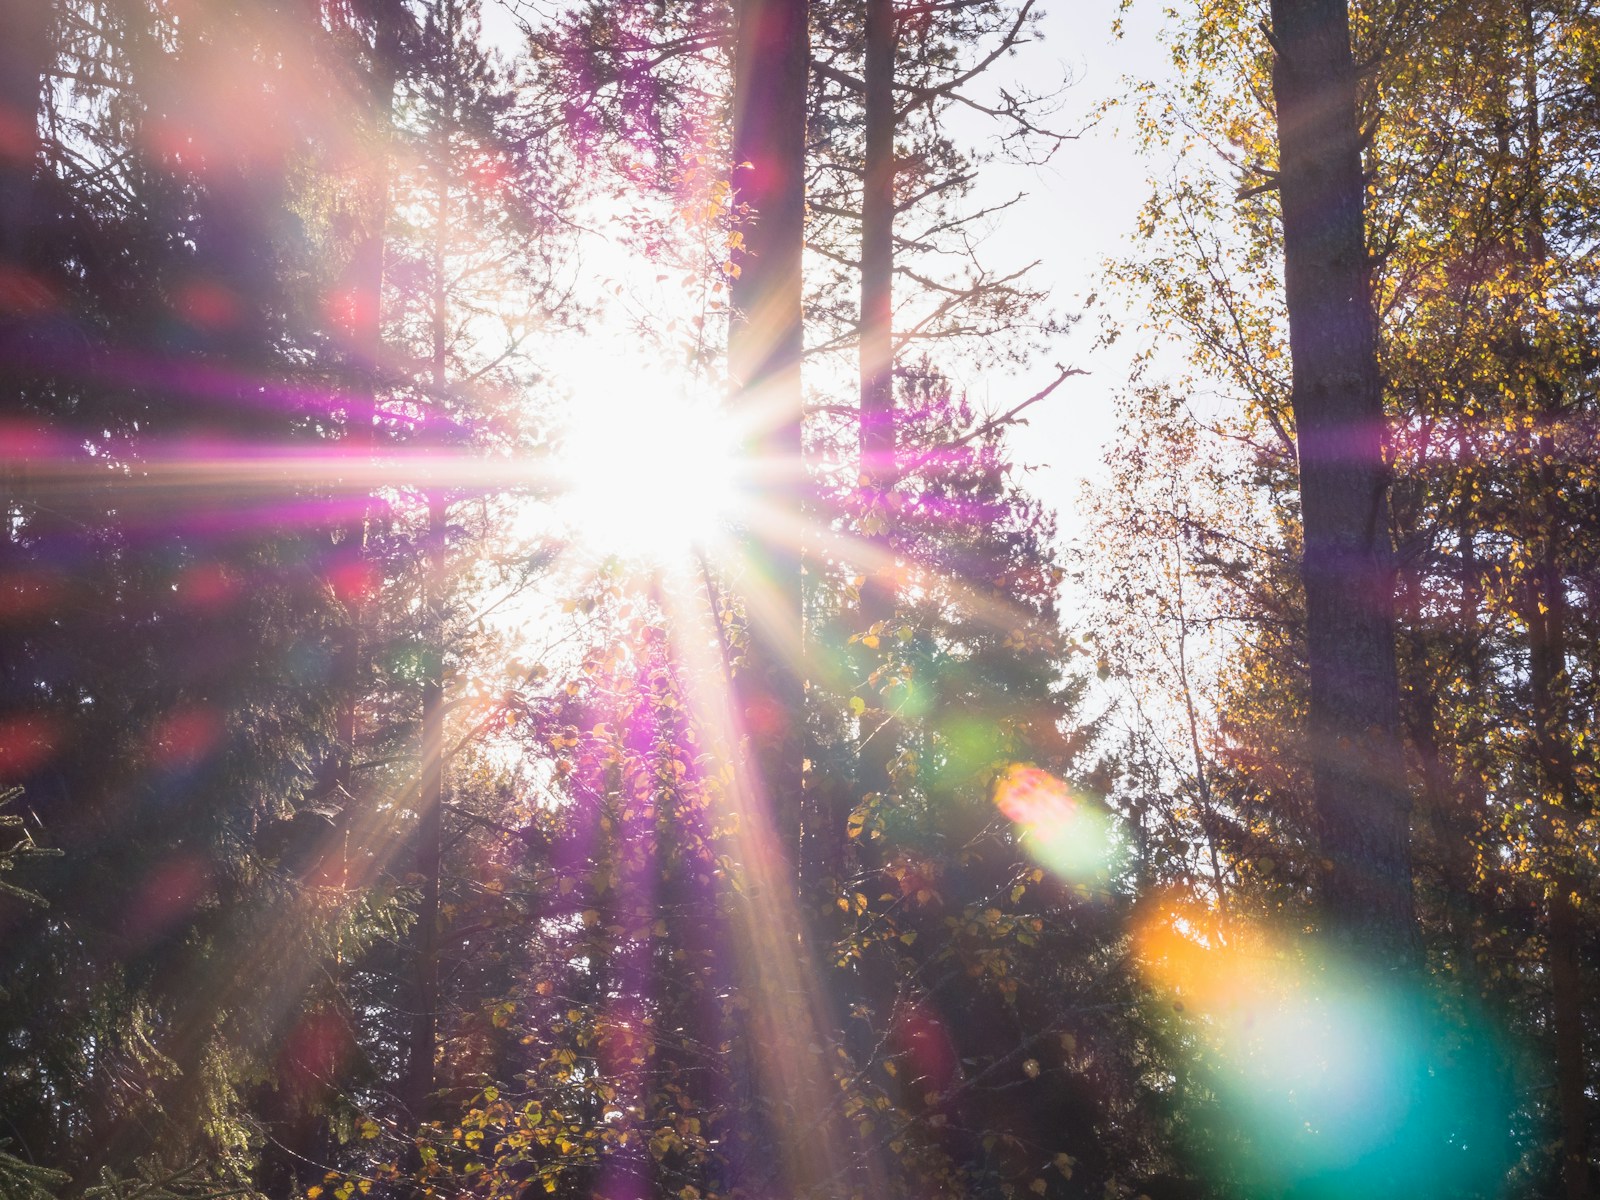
430, 786
764, 350
1566, 983
420, 1082
1362, 803
363, 338
1547, 675
24, 54
877, 368
794, 1155
1549, 681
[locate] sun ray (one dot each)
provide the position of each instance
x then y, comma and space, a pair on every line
792, 1007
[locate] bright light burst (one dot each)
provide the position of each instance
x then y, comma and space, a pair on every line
649, 467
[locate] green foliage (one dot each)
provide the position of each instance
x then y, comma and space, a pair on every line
24, 1181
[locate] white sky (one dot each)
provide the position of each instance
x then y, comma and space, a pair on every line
1079, 211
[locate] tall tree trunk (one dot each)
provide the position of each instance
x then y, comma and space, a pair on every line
1548, 678
423, 1042
876, 977
765, 340
1546, 616
1362, 803
24, 54
795, 1155
430, 789
877, 365
1566, 983
363, 336
293, 1161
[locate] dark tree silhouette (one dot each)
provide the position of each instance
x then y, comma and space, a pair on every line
1361, 799
764, 350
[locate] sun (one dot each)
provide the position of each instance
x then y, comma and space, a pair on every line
649, 466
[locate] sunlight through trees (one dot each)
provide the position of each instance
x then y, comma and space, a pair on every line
533, 663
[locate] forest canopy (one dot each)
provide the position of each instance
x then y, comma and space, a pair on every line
534, 660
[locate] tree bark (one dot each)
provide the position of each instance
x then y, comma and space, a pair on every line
24, 54
877, 444
1547, 619
421, 1048
1566, 983
1549, 682
1362, 804
430, 785
363, 338
764, 350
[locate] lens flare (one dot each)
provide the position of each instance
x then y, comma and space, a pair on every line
27, 742
1331, 1079
1064, 830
